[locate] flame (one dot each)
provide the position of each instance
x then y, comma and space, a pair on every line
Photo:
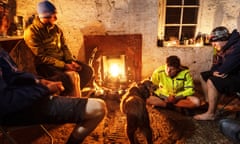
114, 70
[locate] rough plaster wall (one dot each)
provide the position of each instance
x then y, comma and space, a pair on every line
197, 59
219, 12
90, 17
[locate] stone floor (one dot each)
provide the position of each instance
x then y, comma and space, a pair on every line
169, 127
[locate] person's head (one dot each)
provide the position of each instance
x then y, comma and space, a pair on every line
47, 12
219, 37
172, 66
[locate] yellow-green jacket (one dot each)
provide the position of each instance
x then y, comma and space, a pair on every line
47, 44
181, 85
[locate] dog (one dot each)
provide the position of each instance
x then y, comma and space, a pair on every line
133, 105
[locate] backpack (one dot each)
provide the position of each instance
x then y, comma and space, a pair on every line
23, 57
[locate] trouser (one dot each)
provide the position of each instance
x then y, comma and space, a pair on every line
56, 74
58, 110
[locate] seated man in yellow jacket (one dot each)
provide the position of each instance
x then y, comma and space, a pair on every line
176, 87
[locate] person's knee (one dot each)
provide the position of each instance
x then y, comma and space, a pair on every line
210, 84
196, 101
88, 69
95, 108
151, 100
201, 77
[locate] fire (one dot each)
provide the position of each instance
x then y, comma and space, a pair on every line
114, 70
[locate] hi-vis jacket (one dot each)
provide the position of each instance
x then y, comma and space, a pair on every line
181, 85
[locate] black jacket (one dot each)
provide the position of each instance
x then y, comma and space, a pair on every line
228, 59
18, 90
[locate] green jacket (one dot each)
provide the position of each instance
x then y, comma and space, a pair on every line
47, 44
181, 85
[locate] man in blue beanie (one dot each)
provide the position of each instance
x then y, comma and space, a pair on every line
53, 57
46, 9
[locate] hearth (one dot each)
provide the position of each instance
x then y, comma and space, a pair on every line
116, 60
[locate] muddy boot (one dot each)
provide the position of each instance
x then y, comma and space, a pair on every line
231, 129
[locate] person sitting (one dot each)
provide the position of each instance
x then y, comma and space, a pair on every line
224, 76
176, 87
54, 59
28, 100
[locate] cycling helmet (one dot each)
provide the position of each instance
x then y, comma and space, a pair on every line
220, 33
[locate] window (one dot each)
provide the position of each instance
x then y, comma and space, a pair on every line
178, 19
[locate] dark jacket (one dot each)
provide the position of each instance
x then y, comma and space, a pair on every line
47, 44
18, 90
228, 59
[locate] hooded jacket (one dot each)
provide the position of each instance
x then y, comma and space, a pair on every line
47, 44
228, 59
181, 85
18, 90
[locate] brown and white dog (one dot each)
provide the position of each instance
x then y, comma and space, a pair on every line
133, 104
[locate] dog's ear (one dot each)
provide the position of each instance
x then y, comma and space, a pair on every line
133, 90
149, 84
143, 90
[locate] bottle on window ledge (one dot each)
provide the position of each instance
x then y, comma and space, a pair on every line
4, 26
18, 21
160, 42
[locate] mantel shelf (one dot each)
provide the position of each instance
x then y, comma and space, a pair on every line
186, 47
10, 38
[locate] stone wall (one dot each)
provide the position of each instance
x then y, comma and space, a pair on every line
92, 17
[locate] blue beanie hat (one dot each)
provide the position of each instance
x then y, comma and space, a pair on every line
45, 9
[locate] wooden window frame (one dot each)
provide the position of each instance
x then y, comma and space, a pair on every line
162, 18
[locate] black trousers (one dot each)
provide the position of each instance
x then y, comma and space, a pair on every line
56, 74
226, 85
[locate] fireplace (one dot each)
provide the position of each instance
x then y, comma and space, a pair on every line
116, 59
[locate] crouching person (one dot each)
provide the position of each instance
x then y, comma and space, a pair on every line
27, 100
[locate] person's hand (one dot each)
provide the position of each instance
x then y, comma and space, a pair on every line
218, 74
44, 81
54, 87
76, 66
171, 99
69, 67
73, 66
